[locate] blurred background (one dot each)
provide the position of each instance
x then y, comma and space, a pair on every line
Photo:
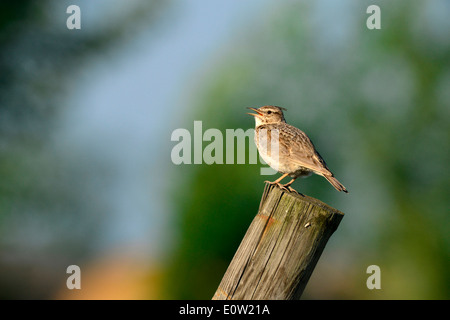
86, 118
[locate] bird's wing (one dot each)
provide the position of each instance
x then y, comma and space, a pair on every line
301, 151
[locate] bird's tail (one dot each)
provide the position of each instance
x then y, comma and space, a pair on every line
335, 183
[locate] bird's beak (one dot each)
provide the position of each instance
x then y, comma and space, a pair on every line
259, 114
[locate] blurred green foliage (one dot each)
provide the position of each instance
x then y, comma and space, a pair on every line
49, 213
376, 104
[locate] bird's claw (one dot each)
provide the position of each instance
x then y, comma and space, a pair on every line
292, 190
282, 186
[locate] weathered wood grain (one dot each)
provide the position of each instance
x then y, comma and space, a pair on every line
280, 249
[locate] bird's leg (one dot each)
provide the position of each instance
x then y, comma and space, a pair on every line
287, 186
277, 182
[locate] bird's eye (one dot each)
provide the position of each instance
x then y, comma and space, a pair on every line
269, 112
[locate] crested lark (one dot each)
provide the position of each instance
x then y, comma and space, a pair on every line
296, 154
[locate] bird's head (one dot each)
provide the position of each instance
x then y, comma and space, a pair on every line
268, 115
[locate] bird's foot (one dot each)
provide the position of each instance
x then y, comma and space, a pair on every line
274, 183
295, 191
281, 186
292, 189
288, 188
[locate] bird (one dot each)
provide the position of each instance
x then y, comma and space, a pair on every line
296, 156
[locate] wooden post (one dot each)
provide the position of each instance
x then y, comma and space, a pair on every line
280, 249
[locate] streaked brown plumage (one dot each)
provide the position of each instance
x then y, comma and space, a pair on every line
297, 155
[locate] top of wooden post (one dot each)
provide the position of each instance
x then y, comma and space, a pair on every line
304, 198
281, 247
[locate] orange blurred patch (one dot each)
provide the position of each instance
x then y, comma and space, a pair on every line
118, 276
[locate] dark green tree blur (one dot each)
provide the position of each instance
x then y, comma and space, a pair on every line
376, 104
48, 214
